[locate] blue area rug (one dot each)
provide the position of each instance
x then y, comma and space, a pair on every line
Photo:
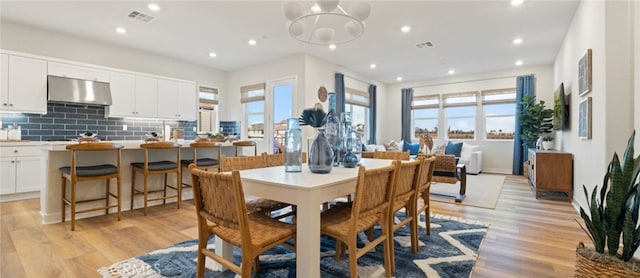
450, 251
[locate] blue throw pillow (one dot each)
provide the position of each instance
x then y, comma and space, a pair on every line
453, 148
413, 148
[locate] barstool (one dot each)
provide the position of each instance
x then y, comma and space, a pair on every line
75, 174
205, 163
158, 167
238, 145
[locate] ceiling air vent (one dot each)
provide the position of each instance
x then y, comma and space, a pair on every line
424, 45
140, 16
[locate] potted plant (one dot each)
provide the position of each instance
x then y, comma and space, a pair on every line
613, 216
547, 142
535, 119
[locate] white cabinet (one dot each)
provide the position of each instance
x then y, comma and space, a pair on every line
176, 100
133, 96
24, 85
19, 169
78, 72
146, 97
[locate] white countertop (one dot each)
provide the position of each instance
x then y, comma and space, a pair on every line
60, 145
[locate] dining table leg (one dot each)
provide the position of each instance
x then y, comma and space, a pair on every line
225, 250
308, 236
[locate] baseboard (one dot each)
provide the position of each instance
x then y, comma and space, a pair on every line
19, 196
125, 206
497, 171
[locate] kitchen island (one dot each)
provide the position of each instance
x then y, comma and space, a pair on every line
54, 155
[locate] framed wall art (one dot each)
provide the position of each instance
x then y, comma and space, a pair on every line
584, 119
584, 74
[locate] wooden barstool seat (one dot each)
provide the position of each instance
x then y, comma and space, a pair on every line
240, 145
164, 167
75, 174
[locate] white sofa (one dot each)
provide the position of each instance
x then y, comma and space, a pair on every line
470, 156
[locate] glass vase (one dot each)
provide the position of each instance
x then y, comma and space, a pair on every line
293, 146
332, 128
320, 154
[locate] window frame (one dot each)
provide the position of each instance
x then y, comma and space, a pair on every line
486, 96
252, 94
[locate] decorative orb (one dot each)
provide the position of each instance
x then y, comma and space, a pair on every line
325, 34
293, 10
297, 28
360, 10
353, 28
328, 5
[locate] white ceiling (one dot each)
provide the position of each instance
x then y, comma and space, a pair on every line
468, 36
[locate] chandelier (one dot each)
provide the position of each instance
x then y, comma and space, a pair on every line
326, 22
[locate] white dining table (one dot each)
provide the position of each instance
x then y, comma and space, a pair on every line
308, 191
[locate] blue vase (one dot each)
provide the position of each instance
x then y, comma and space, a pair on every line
350, 160
332, 127
293, 146
320, 154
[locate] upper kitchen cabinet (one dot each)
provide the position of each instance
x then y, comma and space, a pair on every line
24, 84
77, 72
176, 100
133, 96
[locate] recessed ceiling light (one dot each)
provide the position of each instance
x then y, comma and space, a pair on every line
519, 63
121, 30
517, 41
399, 78
252, 42
451, 71
212, 54
405, 29
373, 66
516, 2
332, 46
154, 7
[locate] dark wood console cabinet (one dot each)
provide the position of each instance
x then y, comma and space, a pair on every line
551, 174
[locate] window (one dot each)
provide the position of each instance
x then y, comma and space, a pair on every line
460, 115
499, 113
425, 111
253, 100
208, 109
357, 103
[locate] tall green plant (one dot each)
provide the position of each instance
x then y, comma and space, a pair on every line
607, 221
535, 119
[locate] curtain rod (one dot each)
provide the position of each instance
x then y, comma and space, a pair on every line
467, 81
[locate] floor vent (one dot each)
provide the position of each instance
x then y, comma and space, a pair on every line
424, 45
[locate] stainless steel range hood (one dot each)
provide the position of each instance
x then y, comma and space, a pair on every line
77, 91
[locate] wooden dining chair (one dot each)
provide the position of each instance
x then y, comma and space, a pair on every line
164, 167
240, 145
254, 204
373, 195
424, 188
406, 194
391, 155
76, 173
278, 159
221, 211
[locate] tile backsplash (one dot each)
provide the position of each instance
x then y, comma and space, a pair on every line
69, 120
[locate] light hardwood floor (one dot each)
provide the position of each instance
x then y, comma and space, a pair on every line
527, 237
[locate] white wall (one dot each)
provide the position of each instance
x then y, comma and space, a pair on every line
497, 155
603, 27
31, 40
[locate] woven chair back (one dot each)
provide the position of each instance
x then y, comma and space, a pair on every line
392, 155
219, 197
230, 163
428, 165
408, 179
276, 159
374, 190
